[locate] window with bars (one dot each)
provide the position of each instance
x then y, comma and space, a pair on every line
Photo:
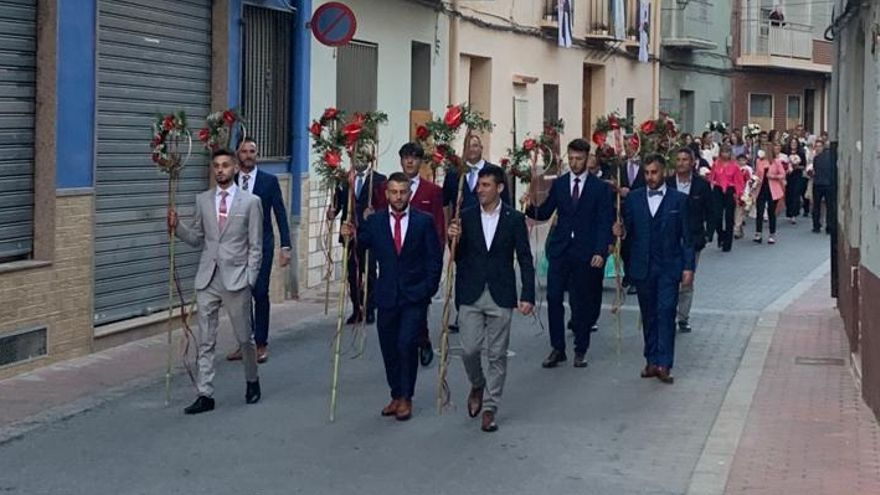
266, 72
357, 72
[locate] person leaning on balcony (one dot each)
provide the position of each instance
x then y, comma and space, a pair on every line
771, 177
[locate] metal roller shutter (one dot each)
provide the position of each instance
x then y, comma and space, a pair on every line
18, 47
154, 56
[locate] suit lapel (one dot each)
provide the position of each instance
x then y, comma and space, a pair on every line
210, 211
503, 216
477, 219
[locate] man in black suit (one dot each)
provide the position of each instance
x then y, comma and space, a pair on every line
473, 158
485, 288
264, 185
699, 193
365, 204
576, 249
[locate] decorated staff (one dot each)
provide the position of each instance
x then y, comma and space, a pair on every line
171, 147
439, 135
327, 144
357, 138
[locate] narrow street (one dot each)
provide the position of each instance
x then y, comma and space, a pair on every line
600, 430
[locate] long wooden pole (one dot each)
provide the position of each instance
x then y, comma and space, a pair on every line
366, 268
329, 245
337, 341
171, 201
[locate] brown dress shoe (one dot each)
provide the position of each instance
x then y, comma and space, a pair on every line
262, 353
650, 371
234, 355
664, 375
475, 402
391, 408
404, 409
489, 424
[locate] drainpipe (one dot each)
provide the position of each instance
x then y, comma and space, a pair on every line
655, 50
454, 62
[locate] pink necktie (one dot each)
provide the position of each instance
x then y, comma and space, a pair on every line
221, 220
398, 233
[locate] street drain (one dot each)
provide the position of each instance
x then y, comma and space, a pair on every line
819, 361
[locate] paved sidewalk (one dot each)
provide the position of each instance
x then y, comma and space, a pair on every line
70, 387
808, 430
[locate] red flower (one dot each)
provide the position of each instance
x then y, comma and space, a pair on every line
599, 138
422, 133
648, 127
439, 155
229, 117
316, 128
168, 123
330, 113
204, 134
332, 159
454, 116
505, 162
612, 121
156, 157
352, 132
529, 144
634, 142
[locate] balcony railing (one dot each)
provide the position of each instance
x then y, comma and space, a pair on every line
550, 12
687, 25
766, 37
606, 22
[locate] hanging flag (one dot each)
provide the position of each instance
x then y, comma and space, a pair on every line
563, 14
644, 15
618, 17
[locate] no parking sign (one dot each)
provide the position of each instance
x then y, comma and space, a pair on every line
334, 24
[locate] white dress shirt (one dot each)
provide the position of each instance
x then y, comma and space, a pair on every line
654, 201
472, 173
490, 223
583, 179
684, 187
414, 185
404, 223
232, 189
252, 178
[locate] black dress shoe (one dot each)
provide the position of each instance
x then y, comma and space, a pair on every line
252, 396
371, 318
202, 404
554, 359
631, 290
580, 360
426, 354
684, 327
453, 328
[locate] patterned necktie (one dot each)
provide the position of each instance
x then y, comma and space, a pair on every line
576, 193
221, 218
398, 232
472, 178
244, 182
359, 184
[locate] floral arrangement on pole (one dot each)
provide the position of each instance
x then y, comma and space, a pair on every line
608, 136
333, 136
437, 136
753, 130
170, 132
519, 160
717, 126
659, 136
219, 129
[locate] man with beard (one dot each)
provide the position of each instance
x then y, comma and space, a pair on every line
404, 243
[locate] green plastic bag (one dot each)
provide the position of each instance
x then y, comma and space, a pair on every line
610, 265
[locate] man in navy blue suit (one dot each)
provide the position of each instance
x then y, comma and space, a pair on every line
405, 245
656, 220
576, 249
365, 204
473, 157
264, 185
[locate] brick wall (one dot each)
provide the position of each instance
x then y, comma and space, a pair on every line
869, 316
780, 85
822, 52
57, 296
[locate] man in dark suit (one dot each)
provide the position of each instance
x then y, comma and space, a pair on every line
485, 288
404, 242
266, 187
365, 204
426, 197
473, 158
699, 193
656, 219
576, 249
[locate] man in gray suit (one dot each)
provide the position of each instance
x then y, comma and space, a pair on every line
228, 226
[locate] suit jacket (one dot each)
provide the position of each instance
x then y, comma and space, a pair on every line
582, 228
360, 202
478, 266
625, 181
675, 248
429, 199
267, 188
412, 277
469, 198
236, 252
699, 206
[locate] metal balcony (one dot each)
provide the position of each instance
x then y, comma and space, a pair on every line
686, 25
604, 23
767, 42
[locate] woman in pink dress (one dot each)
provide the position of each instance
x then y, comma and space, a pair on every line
727, 184
771, 189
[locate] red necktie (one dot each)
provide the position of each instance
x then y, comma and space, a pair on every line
576, 193
221, 219
398, 233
